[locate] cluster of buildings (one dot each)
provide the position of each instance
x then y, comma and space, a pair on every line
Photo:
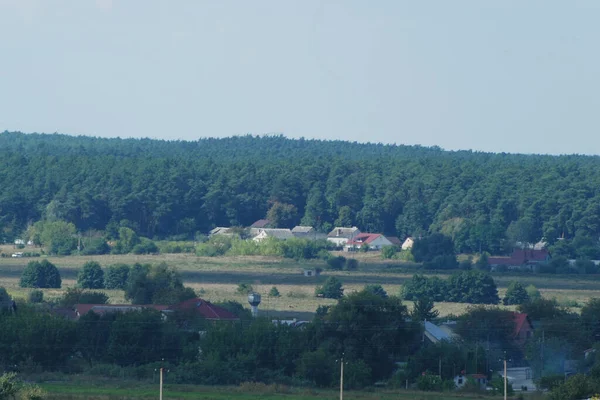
348, 238
195, 307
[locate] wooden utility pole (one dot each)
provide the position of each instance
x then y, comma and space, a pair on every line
161, 384
342, 379
505, 378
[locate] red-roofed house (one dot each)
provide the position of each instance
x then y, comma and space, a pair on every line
205, 309
521, 258
198, 306
375, 241
523, 328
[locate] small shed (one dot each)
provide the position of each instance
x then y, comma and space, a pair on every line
311, 272
479, 379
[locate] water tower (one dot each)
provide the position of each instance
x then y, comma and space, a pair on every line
254, 300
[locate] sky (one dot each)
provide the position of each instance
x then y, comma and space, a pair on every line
502, 76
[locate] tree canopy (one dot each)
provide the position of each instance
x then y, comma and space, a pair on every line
482, 201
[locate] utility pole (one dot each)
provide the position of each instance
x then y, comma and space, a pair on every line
542, 354
161, 384
342, 378
505, 378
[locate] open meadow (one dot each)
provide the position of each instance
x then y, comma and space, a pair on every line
217, 278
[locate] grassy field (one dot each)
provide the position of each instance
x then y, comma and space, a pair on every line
216, 279
243, 392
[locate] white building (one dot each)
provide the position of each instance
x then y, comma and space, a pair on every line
340, 235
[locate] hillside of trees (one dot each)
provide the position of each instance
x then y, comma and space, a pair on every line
167, 189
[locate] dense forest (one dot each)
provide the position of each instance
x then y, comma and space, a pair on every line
168, 189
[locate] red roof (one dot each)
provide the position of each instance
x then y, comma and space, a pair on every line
520, 257
261, 223
363, 238
206, 309
520, 320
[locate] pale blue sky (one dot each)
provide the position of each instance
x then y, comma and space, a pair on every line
515, 76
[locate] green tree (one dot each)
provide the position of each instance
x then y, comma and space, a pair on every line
274, 292
515, 294
317, 367
423, 310
128, 239
376, 290
426, 249
5, 300
388, 252
73, 296
36, 296
9, 386
316, 210
475, 287
365, 326
116, 276
42, 275
91, 276
331, 288
533, 293
58, 237
157, 284
282, 215
590, 319
345, 217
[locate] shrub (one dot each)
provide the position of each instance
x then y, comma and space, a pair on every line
377, 290
336, 263
36, 296
74, 296
515, 294
351, 264
388, 252
274, 292
95, 246
533, 293
42, 274
429, 383
331, 289
116, 276
244, 288
145, 246
442, 262
91, 276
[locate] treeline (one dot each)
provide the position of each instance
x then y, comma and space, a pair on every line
160, 189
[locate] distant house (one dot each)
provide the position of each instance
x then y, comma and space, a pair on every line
304, 232
261, 223
395, 241
408, 244
19, 242
204, 308
521, 259
436, 334
375, 241
311, 272
220, 230
281, 234
479, 379
523, 329
199, 306
340, 236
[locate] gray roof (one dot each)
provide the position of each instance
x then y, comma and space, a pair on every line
343, 232
435, 333
302, 229
278, 233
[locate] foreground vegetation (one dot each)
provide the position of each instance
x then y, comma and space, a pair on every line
247, 391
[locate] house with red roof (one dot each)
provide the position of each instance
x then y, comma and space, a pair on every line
523, 328
197, 306
521, 259
375, 241
205, 309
